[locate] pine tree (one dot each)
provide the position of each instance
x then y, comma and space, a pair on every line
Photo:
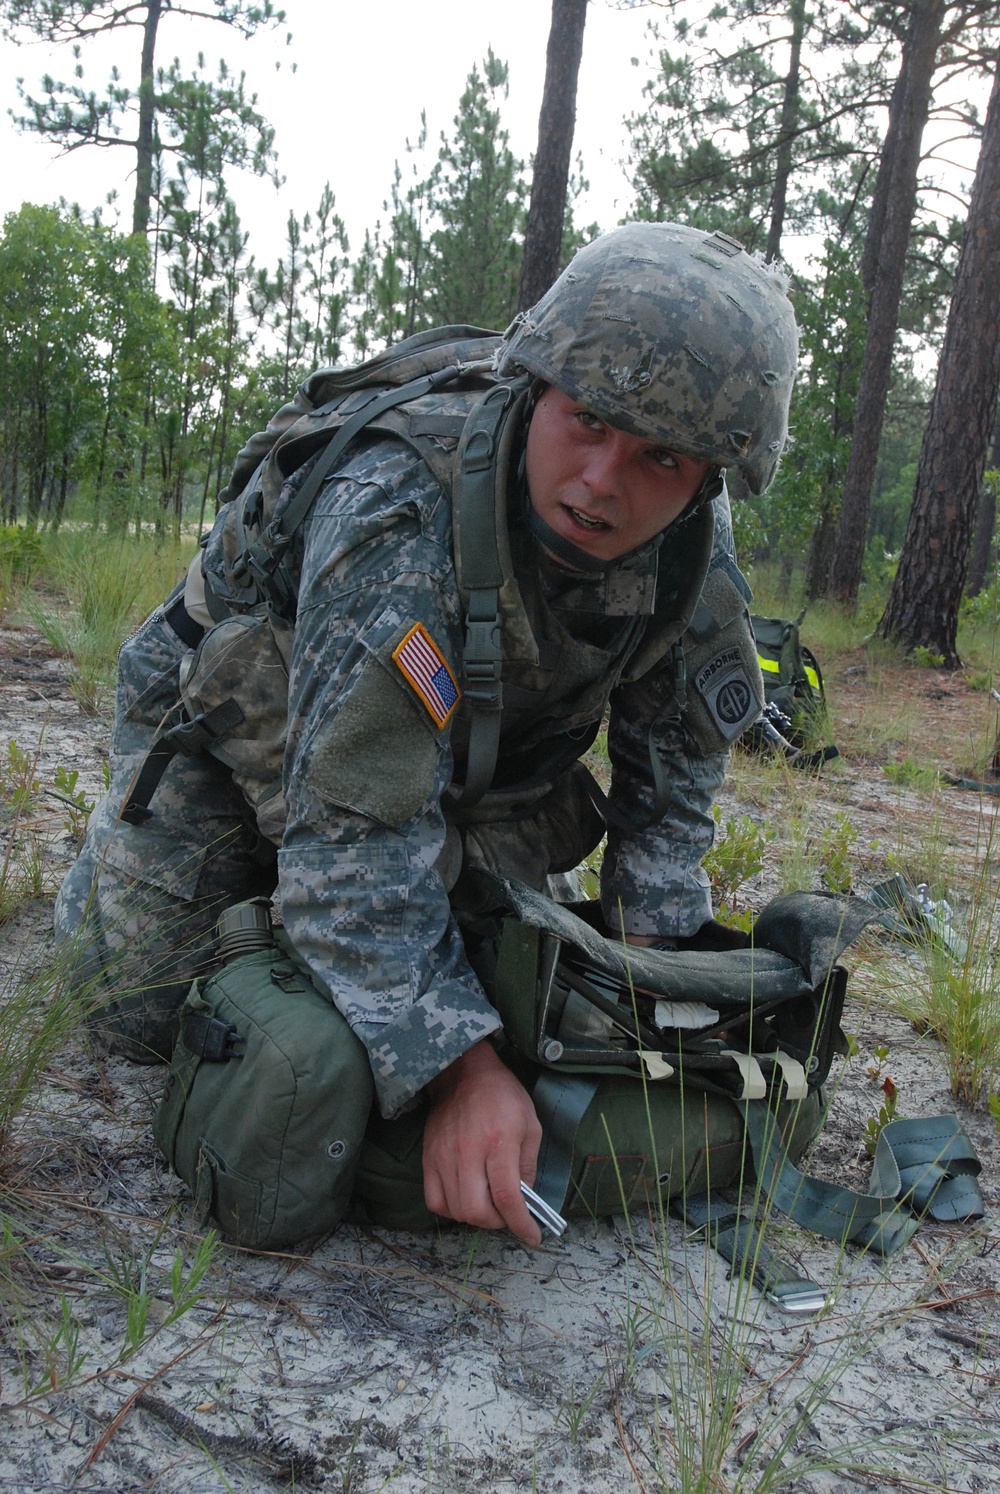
74, 115
477, 194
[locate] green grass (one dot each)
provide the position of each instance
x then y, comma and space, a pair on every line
110, 586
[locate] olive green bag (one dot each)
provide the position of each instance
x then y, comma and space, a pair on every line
266, 1102
635, 1109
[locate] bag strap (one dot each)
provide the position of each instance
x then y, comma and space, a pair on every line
260, 560
739, 1241
924, 1166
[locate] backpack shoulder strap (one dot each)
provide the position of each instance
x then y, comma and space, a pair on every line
260, 561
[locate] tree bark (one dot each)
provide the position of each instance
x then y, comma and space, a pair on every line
820, 558
145, 137
789, 118
895, 208
923, 605
986, 523
556, 122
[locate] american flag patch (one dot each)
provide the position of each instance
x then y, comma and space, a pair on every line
423, 666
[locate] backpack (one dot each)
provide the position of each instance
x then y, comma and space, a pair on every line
795, 699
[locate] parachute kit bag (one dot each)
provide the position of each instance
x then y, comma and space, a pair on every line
641, 1062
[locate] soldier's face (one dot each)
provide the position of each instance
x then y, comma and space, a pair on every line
604, 490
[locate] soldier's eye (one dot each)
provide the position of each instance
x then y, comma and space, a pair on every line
664, 458
591, 422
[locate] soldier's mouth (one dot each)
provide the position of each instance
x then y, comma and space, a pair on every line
585, 521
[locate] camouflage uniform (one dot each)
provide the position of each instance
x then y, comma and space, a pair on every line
368, 850
668, 333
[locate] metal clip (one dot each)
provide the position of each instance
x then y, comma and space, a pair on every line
801, 1298
543, 1212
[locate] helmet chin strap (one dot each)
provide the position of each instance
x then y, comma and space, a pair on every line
562, 548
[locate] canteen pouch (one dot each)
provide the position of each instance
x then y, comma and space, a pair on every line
266, 1103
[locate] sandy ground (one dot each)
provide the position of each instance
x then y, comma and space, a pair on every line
621, 1356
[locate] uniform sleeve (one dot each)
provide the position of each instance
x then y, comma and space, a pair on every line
372, 684
652, 880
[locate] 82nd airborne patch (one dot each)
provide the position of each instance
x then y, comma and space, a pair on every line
426, 670
724, 685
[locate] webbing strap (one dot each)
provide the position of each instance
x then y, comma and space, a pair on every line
480, 574
561, 1101
928, 1166
188, 736
739, 1241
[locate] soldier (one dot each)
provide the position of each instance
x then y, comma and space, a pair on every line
359, 754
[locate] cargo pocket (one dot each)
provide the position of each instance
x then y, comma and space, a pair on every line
153, 856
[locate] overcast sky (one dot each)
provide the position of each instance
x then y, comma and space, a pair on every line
345, 98
347, 92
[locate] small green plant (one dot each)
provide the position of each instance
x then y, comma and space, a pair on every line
61, 1354
908, 774
737, 856
22, 869
876, 1124
79, 807
925, 658
574, 1410
881, 1057
18, 783
980, 680
835, 847
139, 1284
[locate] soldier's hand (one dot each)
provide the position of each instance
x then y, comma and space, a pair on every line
481, 1138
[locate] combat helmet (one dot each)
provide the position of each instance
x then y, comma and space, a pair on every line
673, 334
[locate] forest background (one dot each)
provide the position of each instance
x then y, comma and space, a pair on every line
141, 340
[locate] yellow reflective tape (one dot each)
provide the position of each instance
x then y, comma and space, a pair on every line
812, 677
769, 664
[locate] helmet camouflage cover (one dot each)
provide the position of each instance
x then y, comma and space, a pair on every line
673, 334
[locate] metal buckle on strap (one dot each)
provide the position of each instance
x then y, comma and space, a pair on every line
797, 1297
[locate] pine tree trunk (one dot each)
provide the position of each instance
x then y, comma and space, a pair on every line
895, 207
924, 601
556, 122
789, 117
986, 524
147, 113
820, 559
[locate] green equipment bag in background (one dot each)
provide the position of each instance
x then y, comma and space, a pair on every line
793, 686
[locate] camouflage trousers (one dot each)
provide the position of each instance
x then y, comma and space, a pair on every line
140, 904
138, 908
